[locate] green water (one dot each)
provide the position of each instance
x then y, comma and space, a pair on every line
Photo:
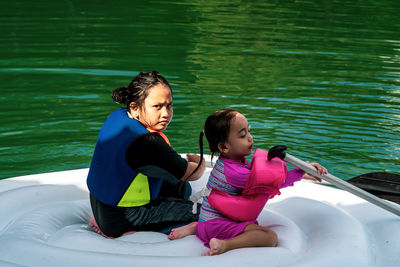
322, 77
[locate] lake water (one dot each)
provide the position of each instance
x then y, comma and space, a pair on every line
322, 77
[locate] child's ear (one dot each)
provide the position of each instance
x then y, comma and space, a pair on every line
222, 148
134, 110
133, 106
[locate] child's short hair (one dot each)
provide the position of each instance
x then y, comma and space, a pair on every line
217, 128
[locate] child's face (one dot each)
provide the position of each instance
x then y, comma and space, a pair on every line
240, 141
156, 112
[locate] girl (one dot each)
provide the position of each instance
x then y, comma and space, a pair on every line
228, 134
136, 180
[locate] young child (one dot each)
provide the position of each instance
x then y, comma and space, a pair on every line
228, 134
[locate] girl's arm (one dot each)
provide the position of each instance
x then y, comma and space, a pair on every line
152, 150
298, 174
292, 177
193, 162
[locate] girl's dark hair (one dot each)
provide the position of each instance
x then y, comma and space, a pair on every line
201, 154
216, 130
138, 88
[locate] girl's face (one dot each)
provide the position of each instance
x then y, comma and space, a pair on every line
156, 111
240, 141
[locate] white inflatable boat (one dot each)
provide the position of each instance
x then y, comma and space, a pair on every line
44, 222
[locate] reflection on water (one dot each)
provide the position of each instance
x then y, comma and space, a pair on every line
322, 77
95, 72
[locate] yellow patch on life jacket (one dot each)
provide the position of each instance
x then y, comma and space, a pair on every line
137, 194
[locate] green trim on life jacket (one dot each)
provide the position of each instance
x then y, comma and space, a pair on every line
137, 194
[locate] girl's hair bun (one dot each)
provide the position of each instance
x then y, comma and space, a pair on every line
121, 95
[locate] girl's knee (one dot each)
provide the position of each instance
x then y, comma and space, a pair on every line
273, 238
269, 236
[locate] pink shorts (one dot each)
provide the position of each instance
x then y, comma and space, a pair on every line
220, 228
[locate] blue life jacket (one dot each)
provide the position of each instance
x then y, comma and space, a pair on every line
111, 180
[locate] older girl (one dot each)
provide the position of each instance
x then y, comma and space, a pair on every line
136, 180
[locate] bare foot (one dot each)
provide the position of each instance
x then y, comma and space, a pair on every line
181, 232
216, 247
128, 233
97, 229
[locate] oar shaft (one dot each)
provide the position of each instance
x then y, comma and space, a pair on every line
343, 185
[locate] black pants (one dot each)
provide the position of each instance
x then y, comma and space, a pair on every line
155, 216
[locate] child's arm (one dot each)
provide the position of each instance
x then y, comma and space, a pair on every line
292, 177
298, 174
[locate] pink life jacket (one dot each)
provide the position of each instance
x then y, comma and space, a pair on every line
265, 180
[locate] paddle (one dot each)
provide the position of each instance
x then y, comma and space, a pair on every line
278, 151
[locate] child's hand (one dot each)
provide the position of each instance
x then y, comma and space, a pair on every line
193, 158
193, 164
320, 169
